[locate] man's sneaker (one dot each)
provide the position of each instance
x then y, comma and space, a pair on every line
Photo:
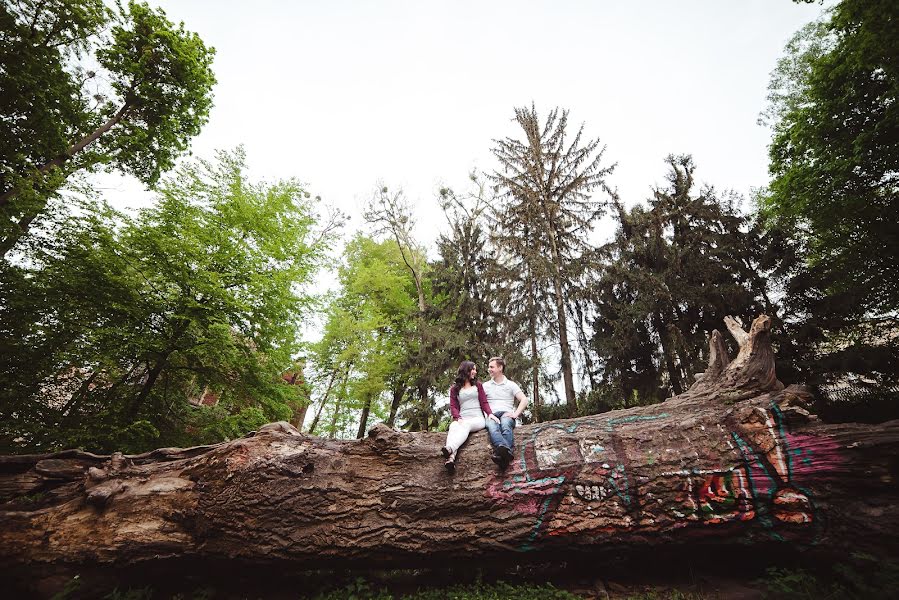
505, 453
497, 459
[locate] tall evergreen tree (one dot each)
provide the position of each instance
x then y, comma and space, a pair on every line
473, 315
672, 273
548, 185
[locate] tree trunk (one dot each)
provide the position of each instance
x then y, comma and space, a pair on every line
398, 392
299, 416
7, 196
564, 349
363, 418
535, 353
735, 462
324, 400
332, 428
667, 350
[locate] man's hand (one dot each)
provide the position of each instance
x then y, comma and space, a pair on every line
493, 418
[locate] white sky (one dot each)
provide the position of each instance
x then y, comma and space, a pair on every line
344, 94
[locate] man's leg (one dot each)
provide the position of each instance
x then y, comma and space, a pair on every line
507, 428
493, 430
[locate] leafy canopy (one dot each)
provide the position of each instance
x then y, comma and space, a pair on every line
133, 316
834, 157
84, 87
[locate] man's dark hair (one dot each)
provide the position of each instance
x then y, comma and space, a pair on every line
500, 361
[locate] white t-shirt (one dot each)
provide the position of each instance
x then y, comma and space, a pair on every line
501, 396
469, 405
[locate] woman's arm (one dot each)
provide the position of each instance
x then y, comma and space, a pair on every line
454, 402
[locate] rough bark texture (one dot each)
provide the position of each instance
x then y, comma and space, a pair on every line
736, 460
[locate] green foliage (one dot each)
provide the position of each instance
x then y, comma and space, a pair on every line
496, 591
671, 275
368, 336
361, 590
145, 593
834, 160
71, 587
666, 595
861, 577
116, 321
150, 94
835, 151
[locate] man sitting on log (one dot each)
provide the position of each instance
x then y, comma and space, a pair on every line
501, 396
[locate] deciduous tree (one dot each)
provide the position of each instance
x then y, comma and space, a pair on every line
205, 289
75, 98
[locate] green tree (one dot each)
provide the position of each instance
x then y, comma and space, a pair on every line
147, 93
203, 291
368, 336
548, 183
474, 313
834, 162
390, 214
670, 276
834, 156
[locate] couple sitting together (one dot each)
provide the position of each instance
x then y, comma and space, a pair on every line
475, 406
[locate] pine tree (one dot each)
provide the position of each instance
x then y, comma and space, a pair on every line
672, 273
548, 212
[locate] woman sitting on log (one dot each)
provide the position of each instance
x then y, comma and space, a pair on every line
468, 404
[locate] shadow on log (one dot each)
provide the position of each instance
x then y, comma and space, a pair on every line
736, 461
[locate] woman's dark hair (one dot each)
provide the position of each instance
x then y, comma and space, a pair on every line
463, 373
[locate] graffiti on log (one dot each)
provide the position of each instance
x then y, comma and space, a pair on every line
598, 476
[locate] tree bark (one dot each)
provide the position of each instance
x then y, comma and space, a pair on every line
398, 392
736, 461
322, 402
564, 349
363, 418
7, 196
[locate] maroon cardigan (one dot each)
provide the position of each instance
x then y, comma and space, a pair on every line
454, 400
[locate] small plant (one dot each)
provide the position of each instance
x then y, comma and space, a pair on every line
145, 593
70, 588
495, 591
357, 590
361, 590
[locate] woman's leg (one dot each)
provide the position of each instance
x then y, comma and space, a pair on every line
457, 434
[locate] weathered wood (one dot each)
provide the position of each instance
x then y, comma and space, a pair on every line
738, 462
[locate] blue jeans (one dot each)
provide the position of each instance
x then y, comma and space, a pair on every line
501, 433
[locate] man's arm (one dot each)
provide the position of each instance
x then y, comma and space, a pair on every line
522, 404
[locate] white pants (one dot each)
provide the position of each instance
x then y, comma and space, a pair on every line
459, 430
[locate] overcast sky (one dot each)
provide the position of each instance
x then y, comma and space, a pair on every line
344, 94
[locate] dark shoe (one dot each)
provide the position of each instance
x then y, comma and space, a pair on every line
450, 465
445, 452
505, 453
497, 459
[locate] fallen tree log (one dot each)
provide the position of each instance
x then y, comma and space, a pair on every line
735, 460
